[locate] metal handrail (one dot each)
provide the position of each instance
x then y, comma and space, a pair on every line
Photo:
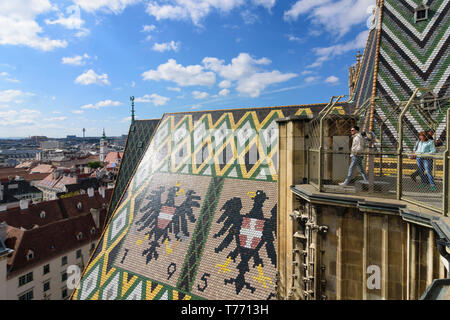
400, 140
323, 114
445, 185
443, 159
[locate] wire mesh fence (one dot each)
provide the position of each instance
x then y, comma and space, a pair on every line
422, 179
358, 174
403, 156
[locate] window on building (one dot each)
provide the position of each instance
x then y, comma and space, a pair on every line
421, 13
78, 253
27, 295
64, 293
92, 248
79, 236
25, 279
46, 268
46, 286
63, 276
30, 255
64, 260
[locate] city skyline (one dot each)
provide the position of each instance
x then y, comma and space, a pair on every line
74, 64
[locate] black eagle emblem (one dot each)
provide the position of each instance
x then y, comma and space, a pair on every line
250, 232
164, 219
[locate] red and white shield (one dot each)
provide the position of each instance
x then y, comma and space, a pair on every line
165, 216
251, 232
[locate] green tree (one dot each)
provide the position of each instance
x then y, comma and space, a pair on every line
94, 164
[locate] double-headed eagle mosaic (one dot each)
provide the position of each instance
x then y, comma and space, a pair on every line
165, 219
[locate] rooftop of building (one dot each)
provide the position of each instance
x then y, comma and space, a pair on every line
49, 229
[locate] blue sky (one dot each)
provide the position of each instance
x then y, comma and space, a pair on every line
68, 65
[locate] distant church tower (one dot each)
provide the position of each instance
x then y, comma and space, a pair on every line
103, 147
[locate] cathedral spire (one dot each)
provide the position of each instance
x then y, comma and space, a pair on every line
132, 110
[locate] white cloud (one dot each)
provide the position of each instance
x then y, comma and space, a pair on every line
168, 46
245, 70
90, 77
12, 80
224, 92
196, 10
327, 53
102, 104
176, 89
18, 24
26, 117
295, 39
256, 83
332, 80
76, 60
6, 77
56, 119
268, 4
225, 84
72, 21
148, 28
78, 111
82, 33
240, 67
302, 7
312, 79
114, 6
153, 98
193, 75
337, 17
10, 95
128, 119
200, 95
249, 17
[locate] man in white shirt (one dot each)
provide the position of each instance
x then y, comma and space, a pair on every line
355, 154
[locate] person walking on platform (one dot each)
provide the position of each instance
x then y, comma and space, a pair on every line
356, 156
437, 143
425, 146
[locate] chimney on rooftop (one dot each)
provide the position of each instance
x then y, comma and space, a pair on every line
24, 204
3, 232
101, 191
96, 217
56, 174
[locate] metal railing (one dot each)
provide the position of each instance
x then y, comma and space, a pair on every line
392, 172
410, 184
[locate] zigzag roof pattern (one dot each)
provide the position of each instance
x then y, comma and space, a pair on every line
400, 56
201, 173
196, 220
